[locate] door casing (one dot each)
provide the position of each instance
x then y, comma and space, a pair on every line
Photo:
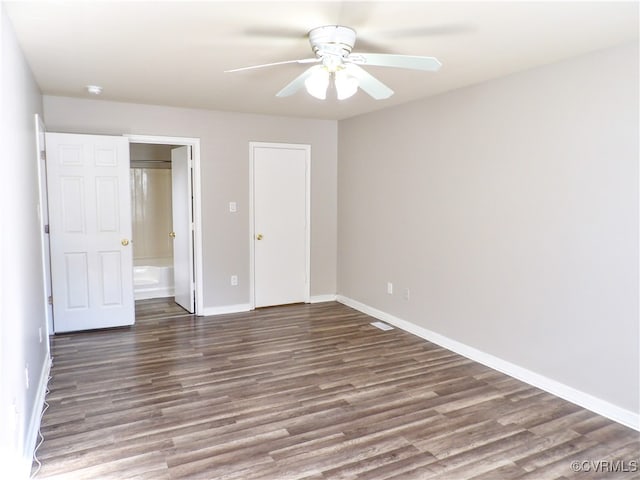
43, 214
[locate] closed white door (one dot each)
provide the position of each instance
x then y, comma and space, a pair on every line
90, 231
280, 209
182, 208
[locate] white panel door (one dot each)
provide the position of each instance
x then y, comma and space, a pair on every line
280, 206
90, 229
182, 234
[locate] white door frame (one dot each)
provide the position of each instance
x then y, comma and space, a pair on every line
43, 215
252, 233
197, 204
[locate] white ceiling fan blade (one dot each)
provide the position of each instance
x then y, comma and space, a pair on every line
413, 62
368, 82
304, 60
298, 82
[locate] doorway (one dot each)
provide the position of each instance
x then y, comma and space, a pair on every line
165, 213
114, 285
280, 227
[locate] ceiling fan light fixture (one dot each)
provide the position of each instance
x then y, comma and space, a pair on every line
94, 89
346, 85
317, 83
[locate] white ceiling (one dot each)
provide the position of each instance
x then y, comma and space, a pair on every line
174, 53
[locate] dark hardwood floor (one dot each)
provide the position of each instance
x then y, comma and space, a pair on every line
304, 392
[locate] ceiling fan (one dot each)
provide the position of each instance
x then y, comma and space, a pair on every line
332, 45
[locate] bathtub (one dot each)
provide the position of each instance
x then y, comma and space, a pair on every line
152, 278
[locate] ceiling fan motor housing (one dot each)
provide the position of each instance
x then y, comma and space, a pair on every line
333, 40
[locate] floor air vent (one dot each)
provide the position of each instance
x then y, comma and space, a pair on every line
381, 326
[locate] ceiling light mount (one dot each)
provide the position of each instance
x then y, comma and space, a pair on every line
332, 39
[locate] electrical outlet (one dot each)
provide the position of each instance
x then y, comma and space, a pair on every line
26, 376
40, 334
234, 280
390, 288
233, 207
407, 294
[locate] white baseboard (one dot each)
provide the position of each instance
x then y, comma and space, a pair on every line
241, 307
31, 435
606, 409
322, 298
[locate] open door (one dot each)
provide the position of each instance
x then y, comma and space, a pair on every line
182, 233
90, 231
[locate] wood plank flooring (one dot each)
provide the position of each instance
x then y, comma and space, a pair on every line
303, 392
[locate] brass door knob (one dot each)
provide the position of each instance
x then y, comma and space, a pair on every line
124, 242
172, 234
259, 236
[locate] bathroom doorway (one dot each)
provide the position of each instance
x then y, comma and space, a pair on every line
165, 219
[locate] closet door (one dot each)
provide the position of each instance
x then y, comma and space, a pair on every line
90, 231
280, 223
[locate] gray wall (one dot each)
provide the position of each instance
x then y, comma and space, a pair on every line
22, 306
224, 144
510, 211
